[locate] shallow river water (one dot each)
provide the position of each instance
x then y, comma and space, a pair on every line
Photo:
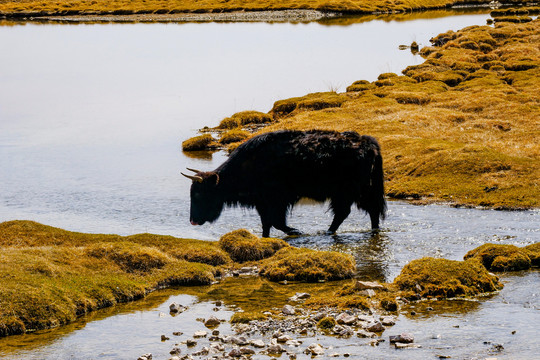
91, 121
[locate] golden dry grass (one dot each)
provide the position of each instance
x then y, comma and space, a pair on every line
499, 257
122, 7
244, 246
462, 127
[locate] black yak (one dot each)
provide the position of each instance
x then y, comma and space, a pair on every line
273, 171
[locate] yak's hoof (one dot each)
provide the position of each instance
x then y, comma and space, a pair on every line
330, 232
294, 232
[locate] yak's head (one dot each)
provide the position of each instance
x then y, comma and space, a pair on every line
206, 200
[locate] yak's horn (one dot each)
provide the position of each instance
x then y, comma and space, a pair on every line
194, 170
194, 178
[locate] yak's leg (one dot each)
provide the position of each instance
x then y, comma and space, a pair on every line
374, 216
341, 209
280, 221
266, 220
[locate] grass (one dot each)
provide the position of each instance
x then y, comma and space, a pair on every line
498, 257
127, 7
460, 128
293, 264
198, 143
430, 277
51, 276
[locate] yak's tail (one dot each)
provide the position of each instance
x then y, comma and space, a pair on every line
378, 200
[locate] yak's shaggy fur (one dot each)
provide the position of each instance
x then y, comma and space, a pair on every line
273, 171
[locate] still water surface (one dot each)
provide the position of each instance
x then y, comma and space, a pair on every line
91, 121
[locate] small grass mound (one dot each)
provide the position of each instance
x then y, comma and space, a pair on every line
431, 277
244, 118
201, 142
498, 257
247, 316
129, 256
315, 101
533, 251
244, 246
294, 264
326, 323
233, 136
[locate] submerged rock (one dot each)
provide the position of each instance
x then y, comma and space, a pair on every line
315, 350
405, 338
176, 308
145, 357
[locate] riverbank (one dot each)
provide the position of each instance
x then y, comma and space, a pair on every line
461, 128
234, 10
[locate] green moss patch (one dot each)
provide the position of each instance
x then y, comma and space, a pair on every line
308, 265
315, 101
247, 316
244, 246
498, 257
431, 277
245, 118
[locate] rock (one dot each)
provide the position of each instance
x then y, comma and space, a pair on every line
334, 355
367, 292
191, 342
405, 338
204, 351
407, 346
212, 321
365, 334
318, 316
246, 351
283, 338
375, 327
164, 338
175, 351
257, 343
294, 343
215, 332
364, 285
239, 340
299, 296
217, 347
346, 319
315, 350
366, 318
178, 333
162, 314
388, 321
200, 334
275, 349
235, 353
145, 357
176, 308
288, 310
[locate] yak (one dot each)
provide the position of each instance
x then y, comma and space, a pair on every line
273, 171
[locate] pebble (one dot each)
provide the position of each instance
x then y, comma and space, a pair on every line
275, 349
346, 319
176, 308
388, 321
405, 338
204, 351
375, 327
315, 349
191, 342
175, 351
365, 334
178, 333
164, 338
212, 321
257, 343
407, 346
145, 357
364, 285
299, 296
200, 334
288, 310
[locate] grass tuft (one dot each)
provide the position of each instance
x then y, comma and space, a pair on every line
498, 257
244, 246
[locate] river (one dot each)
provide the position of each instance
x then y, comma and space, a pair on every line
91, 121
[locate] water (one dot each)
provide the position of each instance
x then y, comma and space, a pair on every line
91, 121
